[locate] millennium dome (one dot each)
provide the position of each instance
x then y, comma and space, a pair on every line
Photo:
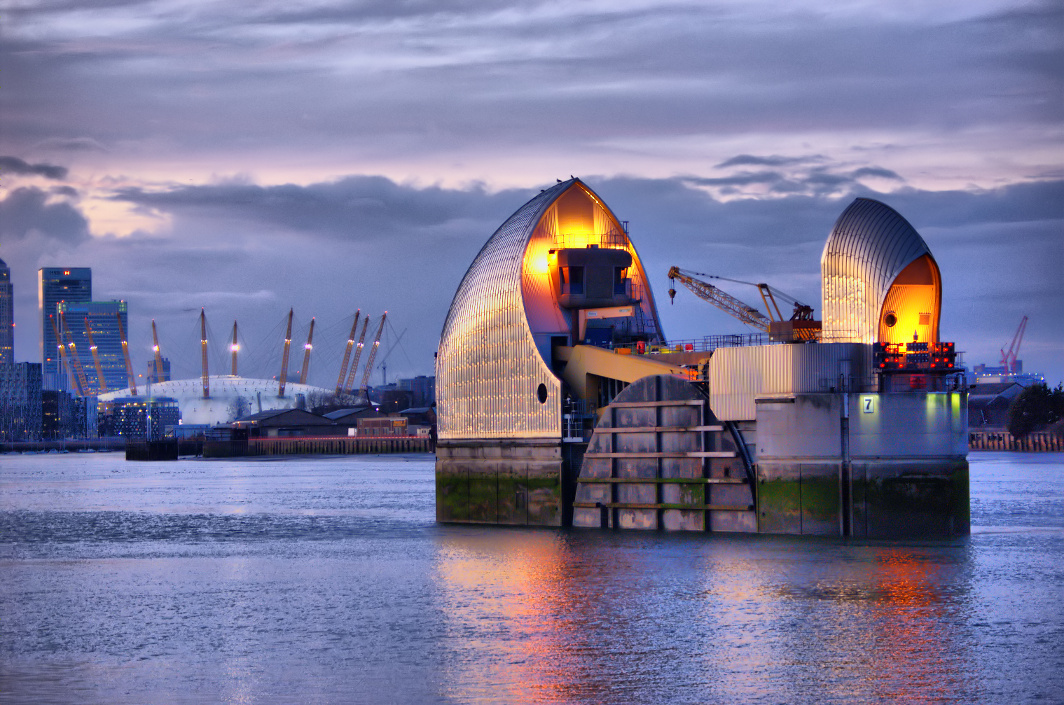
231, 397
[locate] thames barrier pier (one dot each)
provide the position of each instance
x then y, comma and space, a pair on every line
560, 403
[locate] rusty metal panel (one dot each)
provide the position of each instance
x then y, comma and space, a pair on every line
869, 245
737, 376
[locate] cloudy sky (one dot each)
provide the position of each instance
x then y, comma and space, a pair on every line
328, 156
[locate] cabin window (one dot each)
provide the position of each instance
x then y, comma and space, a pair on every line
573, 279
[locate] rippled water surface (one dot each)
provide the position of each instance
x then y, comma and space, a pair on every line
326, 580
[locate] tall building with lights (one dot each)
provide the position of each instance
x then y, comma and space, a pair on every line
95, 324
55, 285
7, 316
20, 401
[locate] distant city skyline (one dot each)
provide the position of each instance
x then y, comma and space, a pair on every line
341, 157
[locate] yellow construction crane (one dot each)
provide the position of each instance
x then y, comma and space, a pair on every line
347, 354
101, 382
799, 328
234, 348
203, 348
125, 353
158, 354
63, 354
364, 387
75, 363
350, 385
306, 354
284, 356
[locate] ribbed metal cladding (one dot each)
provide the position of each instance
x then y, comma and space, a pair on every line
488, 368
869, 246
738, 376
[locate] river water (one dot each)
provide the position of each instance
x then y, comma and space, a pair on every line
326, 580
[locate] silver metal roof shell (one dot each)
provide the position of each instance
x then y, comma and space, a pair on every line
868, 247
488, 368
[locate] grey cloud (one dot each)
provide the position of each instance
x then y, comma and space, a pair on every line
745, 178
775, 160
1018, 203
26, 211
481, 76
825, 178
819, 180
358, 206
71, 144
875, 171
15, 165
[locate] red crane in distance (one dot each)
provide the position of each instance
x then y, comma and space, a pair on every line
1008, 359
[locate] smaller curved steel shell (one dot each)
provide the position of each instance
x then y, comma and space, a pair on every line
869, 246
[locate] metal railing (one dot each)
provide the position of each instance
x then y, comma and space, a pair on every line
707, 343
577, 420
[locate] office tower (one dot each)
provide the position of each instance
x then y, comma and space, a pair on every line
422, 389
55, 284
100, 319
20, 401
7, 316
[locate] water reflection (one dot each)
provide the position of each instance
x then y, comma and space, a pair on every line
608, 617
327, 581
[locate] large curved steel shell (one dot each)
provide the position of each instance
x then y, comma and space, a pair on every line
870, 245
492, 380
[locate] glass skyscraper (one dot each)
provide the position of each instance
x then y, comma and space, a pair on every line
7, 316
55, 285
100, 318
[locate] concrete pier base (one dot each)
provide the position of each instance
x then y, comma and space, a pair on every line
511, 481
879, 498
865, 465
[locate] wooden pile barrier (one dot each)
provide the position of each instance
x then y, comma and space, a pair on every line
338, 445
1037, 442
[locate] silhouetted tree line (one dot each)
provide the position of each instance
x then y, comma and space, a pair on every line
1035, 408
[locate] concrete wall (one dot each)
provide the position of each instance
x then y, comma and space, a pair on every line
516, 481
863, 465
908, 425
